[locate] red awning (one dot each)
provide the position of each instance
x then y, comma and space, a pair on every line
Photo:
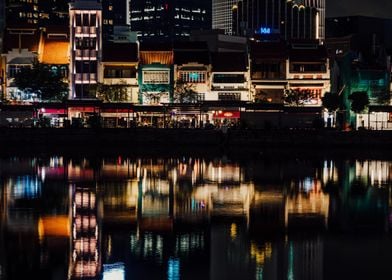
226, 115
115, 110
86, 109
52, 111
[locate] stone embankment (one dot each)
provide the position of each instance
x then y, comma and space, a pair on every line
144, 137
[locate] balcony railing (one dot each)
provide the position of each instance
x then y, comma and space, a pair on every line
86, 54
90, 30
85, 77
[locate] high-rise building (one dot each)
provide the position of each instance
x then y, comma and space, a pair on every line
36, 12
114, 13
43, 13
169, 19
287, 20
222, 15
85, 48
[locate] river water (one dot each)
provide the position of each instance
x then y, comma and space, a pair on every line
130, 217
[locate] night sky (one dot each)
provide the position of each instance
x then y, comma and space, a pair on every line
379, 8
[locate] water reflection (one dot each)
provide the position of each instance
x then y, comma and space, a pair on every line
194, 218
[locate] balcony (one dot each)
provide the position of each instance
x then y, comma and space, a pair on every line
81, 78
85, 30
86, 54
230, 87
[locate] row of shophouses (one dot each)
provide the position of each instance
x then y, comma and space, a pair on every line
155, 74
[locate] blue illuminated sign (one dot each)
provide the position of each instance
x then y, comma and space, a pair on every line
265, 30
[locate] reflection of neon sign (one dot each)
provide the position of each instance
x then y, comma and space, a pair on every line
265, 30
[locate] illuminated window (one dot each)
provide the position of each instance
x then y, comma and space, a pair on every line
156, 77
193, 76
110, 8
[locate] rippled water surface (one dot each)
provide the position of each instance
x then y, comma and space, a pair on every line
194, 218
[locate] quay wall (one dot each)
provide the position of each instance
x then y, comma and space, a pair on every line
198, 138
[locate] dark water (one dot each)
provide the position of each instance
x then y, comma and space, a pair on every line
194, 218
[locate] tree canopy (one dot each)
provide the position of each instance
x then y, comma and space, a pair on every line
359, 101
185, 93
331, 101
40, 80
112, 93
295, 97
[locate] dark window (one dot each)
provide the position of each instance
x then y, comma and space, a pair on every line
229, 96
85, 20
86, 66
84, 91
78, 20
93, 19
308, 68
119, 72
229, 78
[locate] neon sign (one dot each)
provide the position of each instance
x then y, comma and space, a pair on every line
265, 30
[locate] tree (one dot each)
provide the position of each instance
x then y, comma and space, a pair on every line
185, 93
359, 101
261, 97
295, 97
40, 80
112, 93
331, 101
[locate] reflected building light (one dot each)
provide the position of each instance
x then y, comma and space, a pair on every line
259, 273
27, 187
308, 184
174, 176
378, 171
85, 246
233, 231
159, 245
329, 172
138, 172
290, 271
78, 199
173, 269
115, 271
144, 180
183, 169
43, 174
260, 254
85, 269
372, 177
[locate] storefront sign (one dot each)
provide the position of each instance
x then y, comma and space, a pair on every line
226, 115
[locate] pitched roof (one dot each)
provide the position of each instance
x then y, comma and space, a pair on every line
185, 56
21, 60
229, 61
120, 52
29, 39
55, 50
311, 54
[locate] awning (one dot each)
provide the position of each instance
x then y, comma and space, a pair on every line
226, 115
85, 109
52, 111
116, 110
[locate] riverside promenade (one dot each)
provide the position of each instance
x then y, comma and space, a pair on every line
192, 138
